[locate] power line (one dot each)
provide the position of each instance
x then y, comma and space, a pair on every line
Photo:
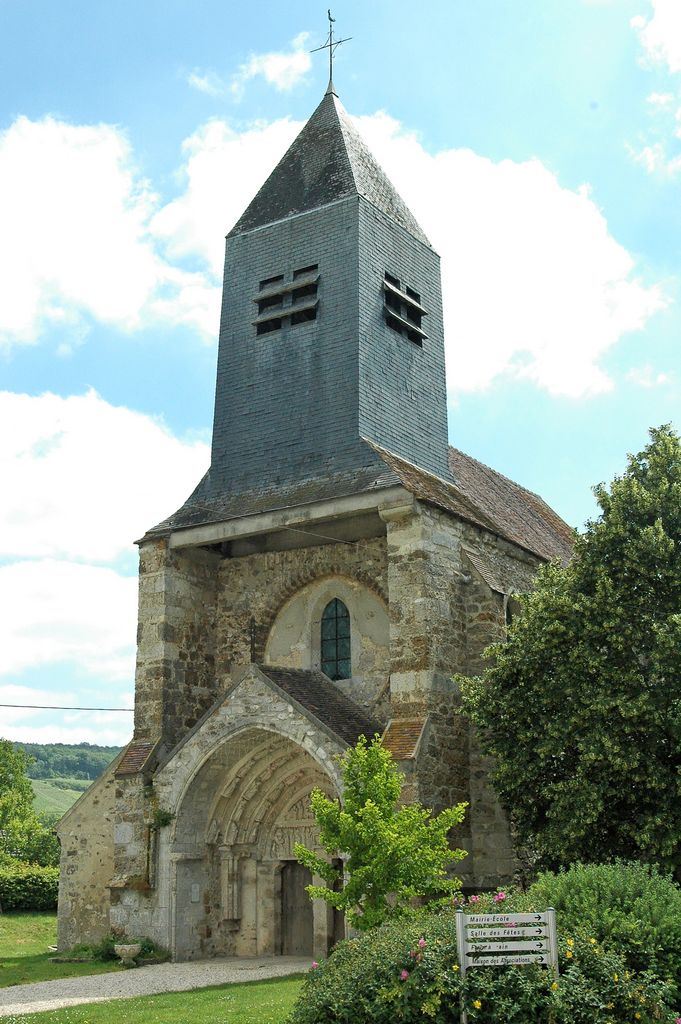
60, 707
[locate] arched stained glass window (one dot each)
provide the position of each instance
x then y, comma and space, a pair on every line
336, 641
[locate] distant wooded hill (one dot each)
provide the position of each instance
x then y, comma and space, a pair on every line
61, 772
67, 760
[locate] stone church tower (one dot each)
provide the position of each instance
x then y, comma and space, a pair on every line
337, 564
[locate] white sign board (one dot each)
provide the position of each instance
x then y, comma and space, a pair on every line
496, 940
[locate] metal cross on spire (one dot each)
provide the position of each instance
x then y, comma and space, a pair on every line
331, 45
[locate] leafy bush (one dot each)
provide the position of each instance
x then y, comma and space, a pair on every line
407, 971
28, 887
628, 907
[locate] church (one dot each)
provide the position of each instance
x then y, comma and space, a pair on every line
331, 572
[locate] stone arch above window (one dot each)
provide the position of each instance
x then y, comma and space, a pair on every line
335, 645
295, 637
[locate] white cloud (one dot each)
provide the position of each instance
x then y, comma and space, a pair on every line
223, 170
52, 611
208, 82
660, 35
660, 100
282, 70
655, 158
82, 479
75, 245
646, 377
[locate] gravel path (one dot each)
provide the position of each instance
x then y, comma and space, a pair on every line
145, 981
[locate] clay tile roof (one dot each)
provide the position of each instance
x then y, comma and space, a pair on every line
402, 737
327, 161
318, 695
522, 515
134, 758
488, 499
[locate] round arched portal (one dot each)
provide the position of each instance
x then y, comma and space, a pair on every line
238, 887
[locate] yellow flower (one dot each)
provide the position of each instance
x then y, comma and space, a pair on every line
477, 1004
569, 954
637, 1015
592, 941
615, 977
455, 967
570, 942
554, 986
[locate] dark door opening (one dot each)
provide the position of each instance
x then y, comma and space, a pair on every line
296, 910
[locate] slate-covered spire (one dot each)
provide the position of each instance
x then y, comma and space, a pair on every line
331, 353
327, 161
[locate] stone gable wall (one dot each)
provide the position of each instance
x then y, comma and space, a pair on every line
87, 864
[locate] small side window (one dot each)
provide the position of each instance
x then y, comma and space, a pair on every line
335, 641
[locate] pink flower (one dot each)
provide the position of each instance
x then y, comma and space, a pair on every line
404, 975
473, 899
314, 964
412, 953
422, 943
499, 896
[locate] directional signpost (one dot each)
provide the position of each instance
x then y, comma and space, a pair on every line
494, 940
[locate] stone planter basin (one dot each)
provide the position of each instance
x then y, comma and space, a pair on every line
127, 952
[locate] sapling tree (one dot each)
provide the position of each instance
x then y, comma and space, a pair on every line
581, 707
392, 853
22, 835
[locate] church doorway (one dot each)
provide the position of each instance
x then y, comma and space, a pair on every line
296, 910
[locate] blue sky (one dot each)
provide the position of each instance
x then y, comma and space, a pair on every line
537, 141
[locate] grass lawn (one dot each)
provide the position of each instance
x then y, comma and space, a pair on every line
24, 955
256, 1002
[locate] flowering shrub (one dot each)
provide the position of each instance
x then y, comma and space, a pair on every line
628, 907
407, 971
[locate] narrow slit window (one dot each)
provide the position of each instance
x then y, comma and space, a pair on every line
335, 641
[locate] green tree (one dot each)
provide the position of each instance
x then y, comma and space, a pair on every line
393, 854
22, 835
581, 707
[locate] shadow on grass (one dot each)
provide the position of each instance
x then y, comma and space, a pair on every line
24, 970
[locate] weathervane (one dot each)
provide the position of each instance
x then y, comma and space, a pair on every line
331, 44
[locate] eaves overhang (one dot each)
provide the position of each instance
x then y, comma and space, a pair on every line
327, 511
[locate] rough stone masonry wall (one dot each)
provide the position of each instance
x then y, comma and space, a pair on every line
175, 679
443, 614
254, 588
428, 644
86, 837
